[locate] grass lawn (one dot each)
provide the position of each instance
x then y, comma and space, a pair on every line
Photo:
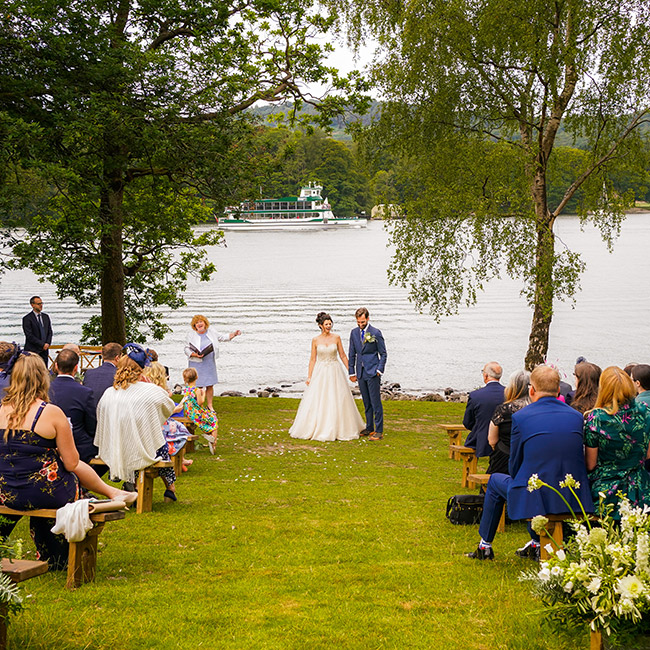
277, 543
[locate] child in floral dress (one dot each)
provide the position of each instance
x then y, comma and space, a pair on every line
203, 418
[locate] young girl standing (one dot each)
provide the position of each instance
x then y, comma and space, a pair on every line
203, 418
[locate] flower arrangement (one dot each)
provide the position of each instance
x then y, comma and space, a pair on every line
369, 338
602, 575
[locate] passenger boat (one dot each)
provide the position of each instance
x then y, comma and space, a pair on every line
309, 210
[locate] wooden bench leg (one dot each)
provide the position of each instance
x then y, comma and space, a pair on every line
596, 641
556, 533
189, 446
501, 528
82, 559
470, 464
178, 461
145, 490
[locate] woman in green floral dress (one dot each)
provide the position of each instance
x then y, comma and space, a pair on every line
617, 437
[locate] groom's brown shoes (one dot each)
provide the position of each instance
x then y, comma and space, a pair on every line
365, 432
376, 436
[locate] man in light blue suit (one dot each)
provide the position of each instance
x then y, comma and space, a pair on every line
547, 441
366, 363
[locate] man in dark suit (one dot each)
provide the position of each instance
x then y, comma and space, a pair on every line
76, 401
366, 364
38, 329
99, 379
480, 408
547, 442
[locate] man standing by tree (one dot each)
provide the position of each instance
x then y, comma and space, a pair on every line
38, 329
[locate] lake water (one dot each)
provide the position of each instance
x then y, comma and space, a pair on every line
271, 285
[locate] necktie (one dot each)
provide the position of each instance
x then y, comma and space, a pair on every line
361, 336
39, 318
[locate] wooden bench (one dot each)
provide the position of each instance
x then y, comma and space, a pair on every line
145, 483
191, 427
468, 456
481, 480
180, 456
82, 556
455, 433
18, 571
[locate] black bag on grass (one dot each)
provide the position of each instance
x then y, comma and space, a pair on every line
465, 509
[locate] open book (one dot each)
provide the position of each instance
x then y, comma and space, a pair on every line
206, 350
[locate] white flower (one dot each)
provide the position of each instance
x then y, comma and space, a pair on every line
538, 522
544, 574
556, 571
594, 586
642, 552
561, 555
569, 482
598, 536
629, 587
568, 587
549, 549
534, 483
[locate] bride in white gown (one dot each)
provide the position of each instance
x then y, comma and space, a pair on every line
327, 410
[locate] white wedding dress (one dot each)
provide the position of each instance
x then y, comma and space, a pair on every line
327, 410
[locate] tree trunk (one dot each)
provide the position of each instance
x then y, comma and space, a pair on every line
543, 272
112, 274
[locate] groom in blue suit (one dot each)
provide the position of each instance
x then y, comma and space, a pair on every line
366, 363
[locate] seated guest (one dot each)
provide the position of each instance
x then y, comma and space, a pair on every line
516, 397
587, 376
7, 350
99, 379
628, 368
641, 379
39, 462
617, 437
76, 401
176, 433
546, 440
480, 407
130, 416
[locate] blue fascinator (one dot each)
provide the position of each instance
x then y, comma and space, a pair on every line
137, 353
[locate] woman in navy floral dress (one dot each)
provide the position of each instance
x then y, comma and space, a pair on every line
39, 463
617, 440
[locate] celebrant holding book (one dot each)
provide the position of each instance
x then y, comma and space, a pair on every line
202, 350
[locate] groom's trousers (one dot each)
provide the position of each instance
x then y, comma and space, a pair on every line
371, 395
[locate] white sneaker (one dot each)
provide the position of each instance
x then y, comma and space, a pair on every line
211, 442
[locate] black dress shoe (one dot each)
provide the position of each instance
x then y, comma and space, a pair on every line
481, 554
365, 432
128, 486
529, 552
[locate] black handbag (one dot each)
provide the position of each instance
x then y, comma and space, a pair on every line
465, 509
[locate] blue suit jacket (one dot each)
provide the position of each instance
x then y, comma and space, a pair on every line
76, 401
546, 440
34, 339
480, 409
367, 359
99, 379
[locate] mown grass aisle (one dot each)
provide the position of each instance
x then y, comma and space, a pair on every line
277, 543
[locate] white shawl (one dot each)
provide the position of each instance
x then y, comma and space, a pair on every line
129, 427
195, 339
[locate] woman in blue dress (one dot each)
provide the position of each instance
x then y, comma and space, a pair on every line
202, 350
617, 441
39, 463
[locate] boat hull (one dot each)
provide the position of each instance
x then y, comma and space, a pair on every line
289, 224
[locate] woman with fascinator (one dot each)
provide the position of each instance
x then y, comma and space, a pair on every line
39, 463
130, 416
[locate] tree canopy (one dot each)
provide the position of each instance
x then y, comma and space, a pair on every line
476, 92
130, 114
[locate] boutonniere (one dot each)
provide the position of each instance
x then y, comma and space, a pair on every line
369, 338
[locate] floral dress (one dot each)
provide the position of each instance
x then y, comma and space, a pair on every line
204, 418
622, 440
32, 476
